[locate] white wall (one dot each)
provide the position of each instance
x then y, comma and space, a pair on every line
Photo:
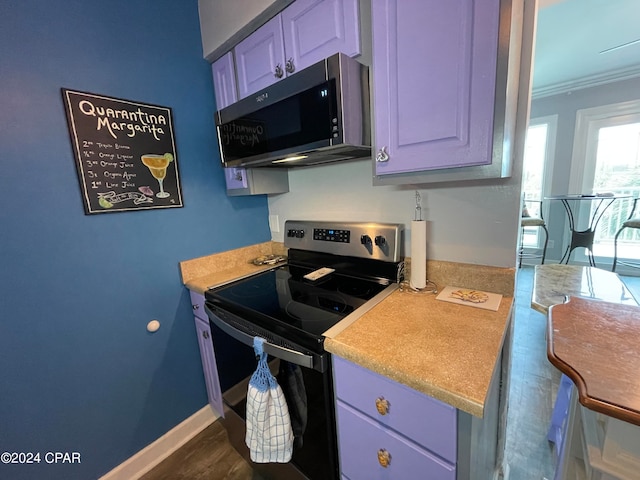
469, 222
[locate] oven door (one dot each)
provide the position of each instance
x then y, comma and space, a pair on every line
307, 381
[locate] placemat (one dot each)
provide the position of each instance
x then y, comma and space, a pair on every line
470, 297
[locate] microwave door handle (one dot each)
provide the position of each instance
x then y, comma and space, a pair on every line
274, 350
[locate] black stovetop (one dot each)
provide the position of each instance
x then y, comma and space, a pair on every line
286, 304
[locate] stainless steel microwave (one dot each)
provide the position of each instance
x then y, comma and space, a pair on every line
318, 115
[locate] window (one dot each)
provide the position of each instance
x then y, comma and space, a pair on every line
536, 171
607, 159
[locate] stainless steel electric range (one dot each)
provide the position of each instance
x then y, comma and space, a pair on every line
335, 272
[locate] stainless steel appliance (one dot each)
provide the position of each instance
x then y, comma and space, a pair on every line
319, 115
292, 306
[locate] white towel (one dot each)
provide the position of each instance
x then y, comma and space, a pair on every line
269, 435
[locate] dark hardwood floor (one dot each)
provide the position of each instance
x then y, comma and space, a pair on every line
533, 386
208, 455
532, 391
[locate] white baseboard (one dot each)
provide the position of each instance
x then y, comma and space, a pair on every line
154, 453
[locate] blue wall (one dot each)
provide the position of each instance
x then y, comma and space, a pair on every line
79, 372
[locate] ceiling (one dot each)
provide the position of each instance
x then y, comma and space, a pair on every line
581, 43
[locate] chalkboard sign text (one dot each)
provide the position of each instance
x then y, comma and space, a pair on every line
125, 153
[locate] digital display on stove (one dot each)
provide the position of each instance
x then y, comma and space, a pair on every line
331, 235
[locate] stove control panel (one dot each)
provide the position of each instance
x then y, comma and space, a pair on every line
293, 233
331, 235
379, 241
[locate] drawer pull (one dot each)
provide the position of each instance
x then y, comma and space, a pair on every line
384, 458
195, 306
382, 405
290, 66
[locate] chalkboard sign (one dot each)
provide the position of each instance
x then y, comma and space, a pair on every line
125, 153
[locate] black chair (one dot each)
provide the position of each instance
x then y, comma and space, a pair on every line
528, 220
630, 222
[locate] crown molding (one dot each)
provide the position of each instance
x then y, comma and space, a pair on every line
586, 82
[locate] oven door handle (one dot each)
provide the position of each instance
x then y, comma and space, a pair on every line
277, 351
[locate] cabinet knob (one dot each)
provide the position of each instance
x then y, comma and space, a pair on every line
278, 73
205, 334
195, 306
382, 405
290, 66
382, 155
238, 175
384, 458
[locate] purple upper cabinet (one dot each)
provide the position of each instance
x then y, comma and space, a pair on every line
306, 32
260, 58
316, 29
434, 83
224, 81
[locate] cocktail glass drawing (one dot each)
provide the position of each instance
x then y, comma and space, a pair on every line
157, 165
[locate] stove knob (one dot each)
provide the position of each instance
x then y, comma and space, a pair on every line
299, 233
365, 240
380, 241
291, 233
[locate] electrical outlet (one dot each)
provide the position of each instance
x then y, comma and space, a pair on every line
274, 223
551, 244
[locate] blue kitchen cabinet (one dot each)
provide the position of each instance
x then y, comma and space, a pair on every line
207, 354
389, 431
436, 102
304, 33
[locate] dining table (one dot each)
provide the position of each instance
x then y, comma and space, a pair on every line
600, 202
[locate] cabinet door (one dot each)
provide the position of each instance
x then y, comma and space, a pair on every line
224, 81
425, 420
260, 58
209, 366
236, 178
197, 303
316, 29
434, 72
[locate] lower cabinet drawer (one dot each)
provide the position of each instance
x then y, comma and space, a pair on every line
361, 440
428, 422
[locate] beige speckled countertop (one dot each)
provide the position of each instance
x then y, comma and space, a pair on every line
203, 273
444, 350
